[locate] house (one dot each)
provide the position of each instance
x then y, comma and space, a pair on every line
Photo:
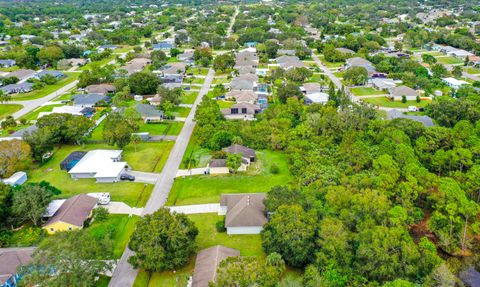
103, 165
106, 47
248, 77
72, 214
282, 52
470, 277
155, 100
185, 57
72, 110
313, 94
149, 113
360, 62
163, 46
289, 62
101, 89
242, 84
207, 262
22, 74
452, 51
218, 166
454, 83
173, 69
89, 100
241, 111
7, 63
20, 133
426, 121
17, 178
56, 74
247, 56
242, 96
11, 259
136, 65
244, 213
17, 88
345, 51
247, 153
397, 93
77, 62
383, 83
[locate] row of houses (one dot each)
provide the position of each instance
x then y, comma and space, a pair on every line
23, 75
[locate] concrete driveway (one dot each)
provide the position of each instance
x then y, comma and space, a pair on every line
117, 207
196, 208
145, 177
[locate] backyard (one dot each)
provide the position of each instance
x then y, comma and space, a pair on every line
208, 188
386, 102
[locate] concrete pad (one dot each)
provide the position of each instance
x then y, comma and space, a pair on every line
196, 208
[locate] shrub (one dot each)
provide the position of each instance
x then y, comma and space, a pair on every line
404, 99
220, 226
100, 214
274, 168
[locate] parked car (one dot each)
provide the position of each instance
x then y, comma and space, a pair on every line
127, 176
103, 197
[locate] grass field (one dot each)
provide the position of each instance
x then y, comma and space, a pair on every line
181, 112
200, 155
225, 104
207, 189
449, 60
366, 91
9, 69
149, 156
198, 71
248, 245
385, 102
48, 89
189, 97
8, 109
102, 62
330, 65
315, 78
132, 193
119, 227
163, 128
33, 115
223, 81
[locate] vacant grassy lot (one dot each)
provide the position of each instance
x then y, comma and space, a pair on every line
48, 89
225, 104
148, 156
200, 155
248, 245
189, 97
207, 189
366, 91
119, 227
385, 102
198, 71
222, 81
102, 62
162, 128
8, 109
449, 60
181, 112
132, 193
316, 78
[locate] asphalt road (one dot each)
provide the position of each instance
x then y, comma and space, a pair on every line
124, 274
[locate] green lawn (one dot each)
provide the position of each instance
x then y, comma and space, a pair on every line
200, 155
366, 91
223, 81
225, 104
102, 62
162, 128
132, 193
195, 80
119, 226
315, 78
33, 115
198, 71
248, 245
181, 112
449, 60
385, 102
473, 71
8, 109
189, 97
9, 69
330, 65
48, 89
149, 156
207, 189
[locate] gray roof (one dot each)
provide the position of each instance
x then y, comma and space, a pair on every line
425, 120
245, 209
243, 150
74, 210
148, 111
88, 99
17, 87
21, 133
56, 74
359, 62
217, 163
11, 259
7, 62
207, 262
403, 91
101, 89
470, 277
21, 74
241, 84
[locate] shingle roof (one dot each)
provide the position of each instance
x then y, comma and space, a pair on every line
74, 210
244, 209
146, 110
11, 259
88, 99
21, 74
239, 84
217, 163
207, 263
425, 120
100, 89
236, 148
403, 91
242, 96
357, 61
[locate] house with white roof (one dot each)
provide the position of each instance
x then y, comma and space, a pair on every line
103, 165
454, 83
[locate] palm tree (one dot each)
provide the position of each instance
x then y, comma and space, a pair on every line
4, 97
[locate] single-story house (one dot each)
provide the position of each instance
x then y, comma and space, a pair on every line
101, 89
249, 77
72, 110
17, 88
56, 74
72, 214
345, 51
10, 262
20, 133
89, 100
176, 68
218, 166
397, 93
149, 113
424, 120
103, 165
469, 277
17, 178
245, 63
242, 96
383, 83
207, 262
247, 153
454, 83
7, 63
282, 52
247, 56
22, 74
244, 213
77, 62
155, 100
313, 94
289, 62
136, 65
246, 70
185, 57
241, 111
163, 46
360, 62
106, 47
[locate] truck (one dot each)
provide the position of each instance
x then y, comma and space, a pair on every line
102, 197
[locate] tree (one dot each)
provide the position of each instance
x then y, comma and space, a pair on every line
223, 62
398, 46
118, 129
439, 70
77, 258
174, 96
356, 75
12, 154
6, 195
50, 55
162, 241
234, 161
288, 90
4, 98
30, 202
457, 72
135, 139
291, 233
143, 83
282, 195
249, 271
429, 59
203, 55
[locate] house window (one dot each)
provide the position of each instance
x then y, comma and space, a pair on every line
244, 110
52, 229
234, 111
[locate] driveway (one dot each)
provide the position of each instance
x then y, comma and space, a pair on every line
189, 172
196, 208
145, 177
117, 207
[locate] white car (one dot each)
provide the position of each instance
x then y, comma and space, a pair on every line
412, 108
103, 197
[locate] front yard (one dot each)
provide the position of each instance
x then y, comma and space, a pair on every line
8, 109
366, 91
162, 128
385, 102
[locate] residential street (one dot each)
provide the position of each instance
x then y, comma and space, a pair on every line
124, 275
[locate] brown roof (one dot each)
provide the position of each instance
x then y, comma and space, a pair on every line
74, 210
245, 209
403, 91
207, 263
101, 89
236, 148
242, 96
11, 259
217, 163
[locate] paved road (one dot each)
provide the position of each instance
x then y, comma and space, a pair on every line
124, 275
31, 105
145, 177
230, 28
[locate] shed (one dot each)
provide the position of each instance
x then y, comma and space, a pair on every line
17, 178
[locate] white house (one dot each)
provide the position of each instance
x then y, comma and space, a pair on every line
454, 83
103, 165
244, 213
